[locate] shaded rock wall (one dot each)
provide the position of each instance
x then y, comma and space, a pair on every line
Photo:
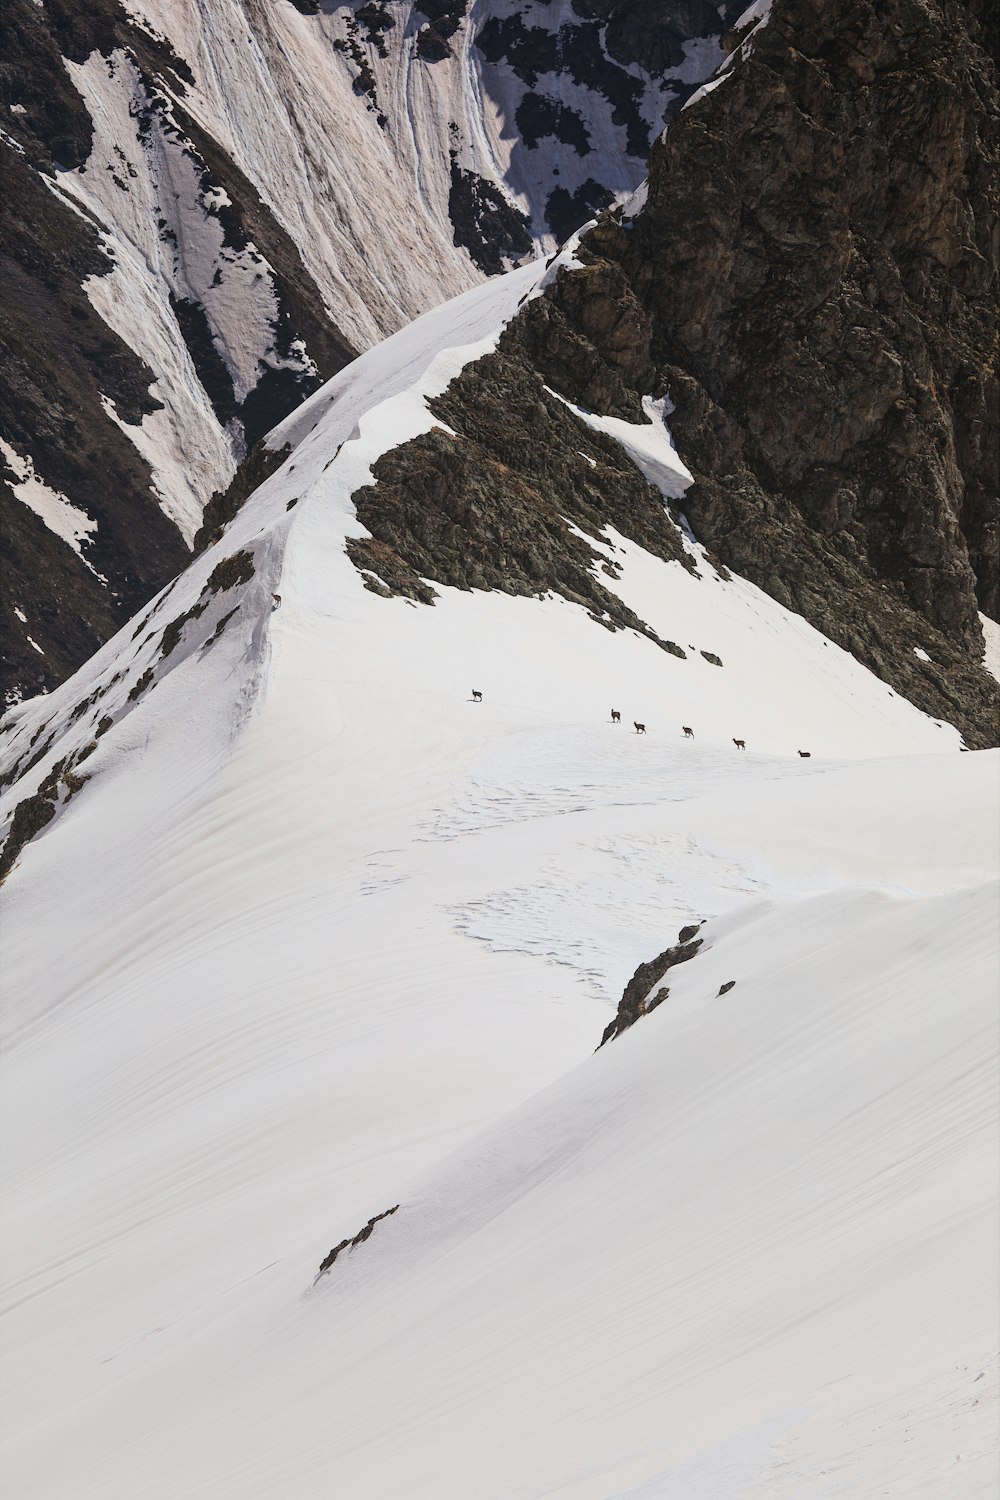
813, 284
493, 506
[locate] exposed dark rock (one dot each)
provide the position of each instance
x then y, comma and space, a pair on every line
725, 988
210, 367
710, 656
359, 1239
574, 49
36, 812
31, 815
538, 116
385, 572
173, 632
651, 34
301, 309
635, 1000
376, 20
141, 684
445, 17
817, 258
488, 508
687, 933
232, 571
260, 463
486, 223
60, 358
220, 627
566, 211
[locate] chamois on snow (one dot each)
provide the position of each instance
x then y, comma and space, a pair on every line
740, 744
639, 728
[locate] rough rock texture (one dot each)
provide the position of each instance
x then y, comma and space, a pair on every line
259, 464
59, 358
817, 262
637, 998
812, 282
35, 812
486, 223
359, 1239
490, 507
187, 212
62, 363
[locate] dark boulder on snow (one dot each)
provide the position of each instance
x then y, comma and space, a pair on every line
636, 999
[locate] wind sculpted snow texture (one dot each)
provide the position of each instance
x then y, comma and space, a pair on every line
318, 936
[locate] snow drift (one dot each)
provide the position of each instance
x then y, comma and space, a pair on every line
309, 934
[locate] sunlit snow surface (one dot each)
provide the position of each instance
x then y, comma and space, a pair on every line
321, 935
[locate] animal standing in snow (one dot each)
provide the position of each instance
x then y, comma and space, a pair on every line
477, 696
275, 602
639, 728
740, 744
616, 717
688, 733
805, 754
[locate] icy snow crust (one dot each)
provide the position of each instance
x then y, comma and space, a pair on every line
321, 936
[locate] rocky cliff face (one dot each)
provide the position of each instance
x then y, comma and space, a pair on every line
209, 209
811, 284
816, 264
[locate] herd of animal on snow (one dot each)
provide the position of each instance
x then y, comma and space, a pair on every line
616, 718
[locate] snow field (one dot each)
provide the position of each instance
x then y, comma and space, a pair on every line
317, 922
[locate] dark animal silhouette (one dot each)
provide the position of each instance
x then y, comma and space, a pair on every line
477, 696
688, 733
805, 754
616, 717
740, 744
275, 602
639, 728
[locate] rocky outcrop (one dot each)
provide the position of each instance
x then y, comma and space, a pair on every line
817, 263
500, 500
245, 266
351, 1244
638, 998
812, 285
67, 375
61, 363
260, 463
35, 812
486, 223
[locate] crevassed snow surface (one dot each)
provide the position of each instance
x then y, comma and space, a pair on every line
320, 936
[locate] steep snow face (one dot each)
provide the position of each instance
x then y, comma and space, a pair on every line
749, 1249
492, 130
305, 918
278, 185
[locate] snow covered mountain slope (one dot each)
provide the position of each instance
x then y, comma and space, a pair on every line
748, 1250
248, 193
289, 918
